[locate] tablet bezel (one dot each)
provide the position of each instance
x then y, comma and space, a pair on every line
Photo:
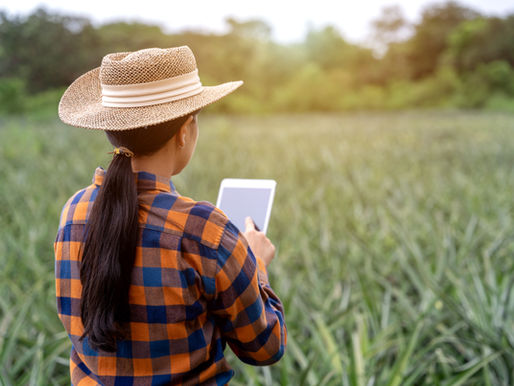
250, 183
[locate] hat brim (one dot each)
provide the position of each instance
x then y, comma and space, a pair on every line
81, 106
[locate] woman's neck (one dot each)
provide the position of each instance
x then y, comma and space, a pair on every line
162, 162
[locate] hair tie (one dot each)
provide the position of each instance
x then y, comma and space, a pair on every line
123, 151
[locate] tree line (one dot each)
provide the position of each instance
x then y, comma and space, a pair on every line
453, 57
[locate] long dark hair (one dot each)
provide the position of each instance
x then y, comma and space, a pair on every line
109, 247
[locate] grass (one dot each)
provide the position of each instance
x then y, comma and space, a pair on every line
394, 232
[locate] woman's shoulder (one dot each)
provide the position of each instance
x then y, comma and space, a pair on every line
199, 220
76, 208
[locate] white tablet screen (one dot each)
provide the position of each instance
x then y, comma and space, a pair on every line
239, 202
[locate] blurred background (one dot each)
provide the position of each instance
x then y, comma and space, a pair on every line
393, 125
447, 55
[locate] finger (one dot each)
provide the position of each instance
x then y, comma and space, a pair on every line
249, 225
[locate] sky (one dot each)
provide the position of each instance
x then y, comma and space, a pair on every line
289, 20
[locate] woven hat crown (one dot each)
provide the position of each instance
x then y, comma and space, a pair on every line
146, 65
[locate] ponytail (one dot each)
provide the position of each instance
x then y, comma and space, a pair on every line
108, 256
109, 247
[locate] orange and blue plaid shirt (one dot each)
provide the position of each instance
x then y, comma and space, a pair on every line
195, 286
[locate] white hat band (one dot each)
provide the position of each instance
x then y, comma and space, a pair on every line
152, 93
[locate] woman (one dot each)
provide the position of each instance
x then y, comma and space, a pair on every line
150, 284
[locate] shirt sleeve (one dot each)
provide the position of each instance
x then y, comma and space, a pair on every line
249, 313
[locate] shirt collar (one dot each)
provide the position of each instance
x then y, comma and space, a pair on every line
144, 181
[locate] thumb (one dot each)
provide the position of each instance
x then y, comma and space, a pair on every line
249, 225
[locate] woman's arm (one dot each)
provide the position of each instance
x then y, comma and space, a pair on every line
249, 313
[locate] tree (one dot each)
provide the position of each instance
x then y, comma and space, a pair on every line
122, 37
46, 50
331, 52
430, 37
480, 41
390, 27
327, 48
253, 29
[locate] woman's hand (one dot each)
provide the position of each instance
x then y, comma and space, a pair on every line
261, 246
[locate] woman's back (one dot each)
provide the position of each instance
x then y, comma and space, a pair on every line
195, 285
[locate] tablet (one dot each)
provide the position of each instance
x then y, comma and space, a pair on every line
240, 198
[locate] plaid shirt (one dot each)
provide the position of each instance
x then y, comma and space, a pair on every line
195, 285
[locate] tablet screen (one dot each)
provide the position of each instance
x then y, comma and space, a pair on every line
239, 202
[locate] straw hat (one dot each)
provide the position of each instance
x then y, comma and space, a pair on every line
136, 89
